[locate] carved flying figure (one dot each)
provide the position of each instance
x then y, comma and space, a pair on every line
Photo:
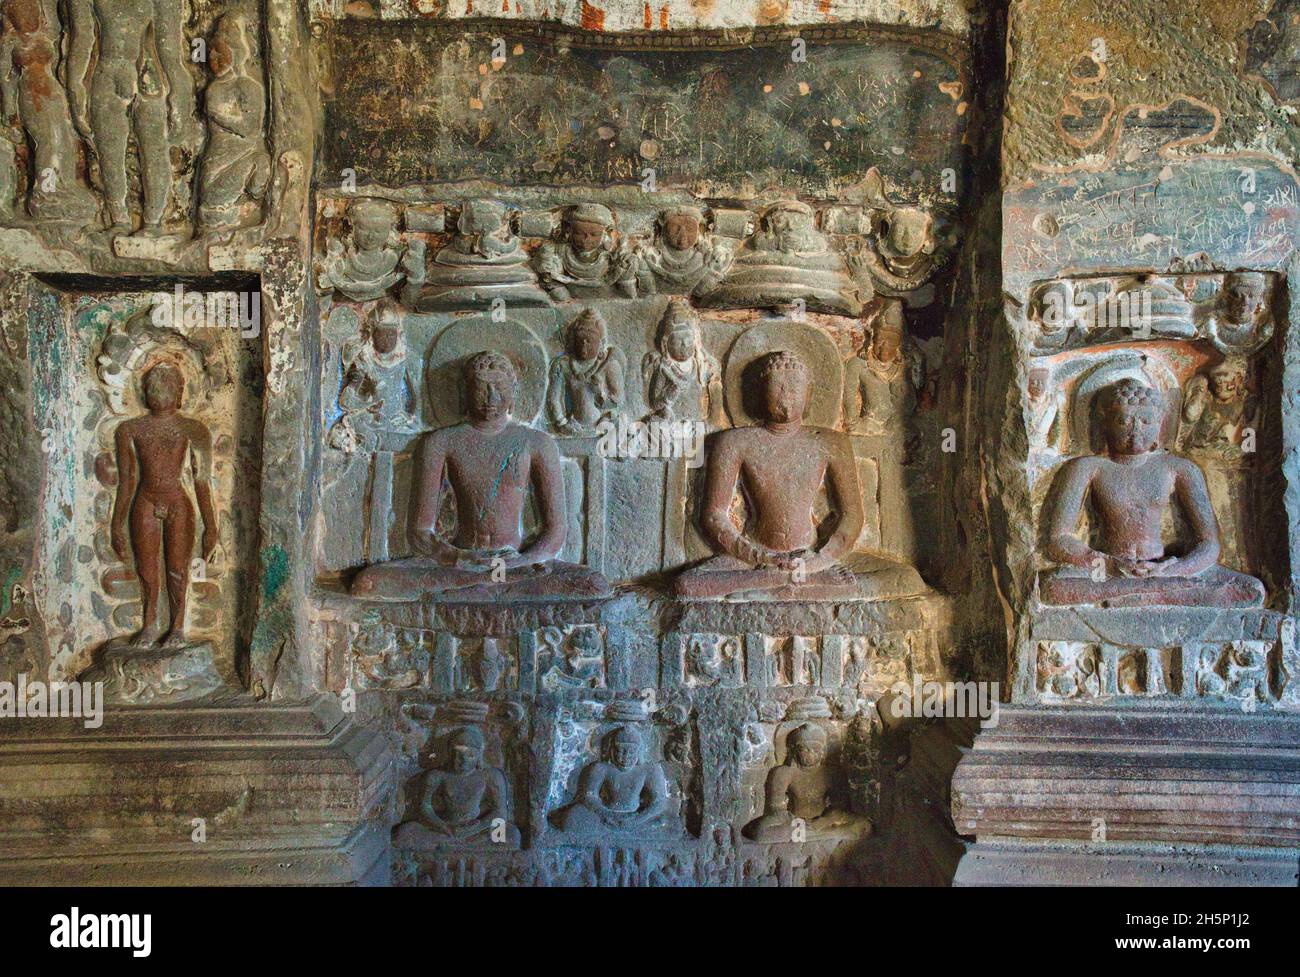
491, 462
1130, 489
781, 465
586, 262
484, 262
682, 259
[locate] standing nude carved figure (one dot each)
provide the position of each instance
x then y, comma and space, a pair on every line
140, 66
152, 452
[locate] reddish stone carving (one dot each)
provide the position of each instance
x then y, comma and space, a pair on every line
491, 463
1130, 489
152, 452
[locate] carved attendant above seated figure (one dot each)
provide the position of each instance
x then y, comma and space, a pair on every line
152, 452
378, 400
483, 262
585, 262
805, 788
880, 386
787, 260
1237, 319
1130, 489
463, 803
682, 379
491, 462
620, 793
682, 259
782, 465
1217, 410
586, 384
367, 266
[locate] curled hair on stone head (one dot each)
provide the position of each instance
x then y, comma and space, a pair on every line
468, 737
590, 322
808, 733
1130, 392
783, 361
491, 363
165, 375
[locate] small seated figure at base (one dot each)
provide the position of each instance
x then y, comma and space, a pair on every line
620, 793
1130, 488
798, 797
491, 462
782, 464
466, 803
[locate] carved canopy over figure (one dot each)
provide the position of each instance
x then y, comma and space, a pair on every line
1130, 489
781, 465
787, 260
804, 789
152, 451
621, 793
484, 262
464, 802
586, 262
491, 462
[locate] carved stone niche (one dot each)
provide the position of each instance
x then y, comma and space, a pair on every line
472, 771
809, 779
621, 772
143, 554
113, 163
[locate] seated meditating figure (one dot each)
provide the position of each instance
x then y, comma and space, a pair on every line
620, 793
1129, 490
781, 466
464, 803
786, 260
483, 262
804, 787
491, 462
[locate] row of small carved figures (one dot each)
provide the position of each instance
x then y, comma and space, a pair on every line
786, 256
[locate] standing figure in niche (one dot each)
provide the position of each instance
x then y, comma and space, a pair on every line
681, 377
1130, 488
880, 386
585, 262
29, 54
140, 85
236, 165
152, 451
379, 395
586, 384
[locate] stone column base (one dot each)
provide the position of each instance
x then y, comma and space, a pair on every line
235, 793
1153, 794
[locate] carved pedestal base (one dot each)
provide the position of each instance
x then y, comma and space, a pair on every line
254, 794
142, 676
1159, 795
